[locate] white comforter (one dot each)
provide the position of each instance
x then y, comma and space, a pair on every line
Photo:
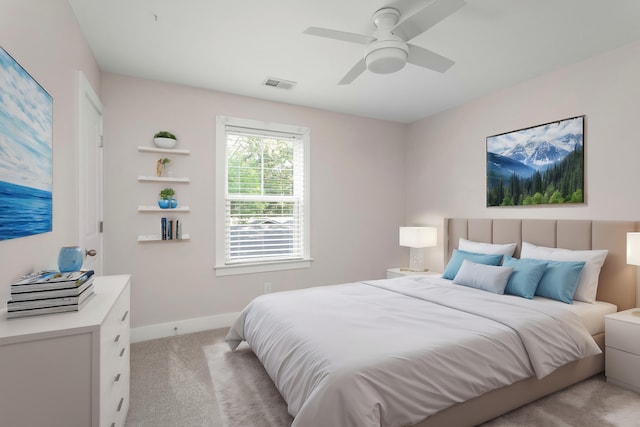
392, 352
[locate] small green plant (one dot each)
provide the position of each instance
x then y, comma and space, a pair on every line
167, 193
165, 160
164, 134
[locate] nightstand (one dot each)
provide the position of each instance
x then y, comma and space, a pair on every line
392, 273
622, 346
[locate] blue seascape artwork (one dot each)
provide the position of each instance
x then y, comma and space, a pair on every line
26, 125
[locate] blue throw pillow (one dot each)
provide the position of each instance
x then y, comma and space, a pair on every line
525, 277
458, 256
560, 280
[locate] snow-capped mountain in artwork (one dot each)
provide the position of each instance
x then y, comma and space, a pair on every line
539, 147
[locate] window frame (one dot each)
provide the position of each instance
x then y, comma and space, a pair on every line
221, 267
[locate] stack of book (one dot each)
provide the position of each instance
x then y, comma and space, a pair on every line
170, 230
48, 292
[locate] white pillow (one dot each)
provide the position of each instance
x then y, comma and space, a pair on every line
588, 283
480, 276
486, 248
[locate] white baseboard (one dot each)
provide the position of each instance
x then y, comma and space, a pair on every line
179, 327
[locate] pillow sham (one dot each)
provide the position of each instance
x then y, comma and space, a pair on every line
526, 275
588, 283
459, 255
480, 276
560, 280
486, 248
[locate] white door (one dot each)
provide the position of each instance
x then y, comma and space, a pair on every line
90, 175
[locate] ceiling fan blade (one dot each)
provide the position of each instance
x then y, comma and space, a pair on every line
425, 58
427, 17
353, 73
339, 35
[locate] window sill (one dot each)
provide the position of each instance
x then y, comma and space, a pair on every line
230, 270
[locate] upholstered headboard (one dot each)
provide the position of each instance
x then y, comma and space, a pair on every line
617, 283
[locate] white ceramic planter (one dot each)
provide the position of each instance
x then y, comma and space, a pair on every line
165, 142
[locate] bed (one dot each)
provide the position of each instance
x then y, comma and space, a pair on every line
328, 385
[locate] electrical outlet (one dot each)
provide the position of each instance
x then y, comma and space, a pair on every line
267, 287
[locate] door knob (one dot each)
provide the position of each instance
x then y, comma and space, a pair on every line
90, 252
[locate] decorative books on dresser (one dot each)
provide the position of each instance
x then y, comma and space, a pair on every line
49, 292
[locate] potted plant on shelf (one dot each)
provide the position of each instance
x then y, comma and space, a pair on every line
161, 165
166, 199
165, 139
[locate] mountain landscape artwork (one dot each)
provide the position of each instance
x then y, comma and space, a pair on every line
540, 165
26, 133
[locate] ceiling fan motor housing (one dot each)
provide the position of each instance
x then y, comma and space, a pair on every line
386, 56
389, 53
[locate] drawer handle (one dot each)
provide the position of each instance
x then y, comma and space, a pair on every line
117, 378
122, 352
117, 338
120, 404
125, 316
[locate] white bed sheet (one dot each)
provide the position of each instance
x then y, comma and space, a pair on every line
590, 314
378, 354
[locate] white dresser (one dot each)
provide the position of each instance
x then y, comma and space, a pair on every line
622, 357
68, 369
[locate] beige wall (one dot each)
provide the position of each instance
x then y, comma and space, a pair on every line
357, 198
445, 154
44, 37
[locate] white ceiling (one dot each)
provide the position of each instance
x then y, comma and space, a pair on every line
232, 46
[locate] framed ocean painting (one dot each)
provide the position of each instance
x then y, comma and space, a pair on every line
26, 133
539, 165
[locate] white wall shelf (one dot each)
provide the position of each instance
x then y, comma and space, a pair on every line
163, 179
163, 150
158, 238
152, 208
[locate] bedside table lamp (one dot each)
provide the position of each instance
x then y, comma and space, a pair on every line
633, 256
633, 248
418, 238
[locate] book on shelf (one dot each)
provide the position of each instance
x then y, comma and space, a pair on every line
171, 229
55, 293
13, 305
49, 310
51, 280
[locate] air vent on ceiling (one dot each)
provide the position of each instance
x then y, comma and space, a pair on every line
279, 83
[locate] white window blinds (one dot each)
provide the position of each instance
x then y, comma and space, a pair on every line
264, 201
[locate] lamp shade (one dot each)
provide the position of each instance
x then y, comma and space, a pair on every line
418, 237
633, 248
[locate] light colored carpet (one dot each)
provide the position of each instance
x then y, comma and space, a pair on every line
195, 381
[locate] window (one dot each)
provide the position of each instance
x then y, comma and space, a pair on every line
262, 201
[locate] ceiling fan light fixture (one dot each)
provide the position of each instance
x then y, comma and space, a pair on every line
386, 57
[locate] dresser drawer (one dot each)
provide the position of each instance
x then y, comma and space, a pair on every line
114, 363
116, 379
622, 335
623, 367
116, 397
118, 411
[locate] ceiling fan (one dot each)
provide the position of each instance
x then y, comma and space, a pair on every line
387, 48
